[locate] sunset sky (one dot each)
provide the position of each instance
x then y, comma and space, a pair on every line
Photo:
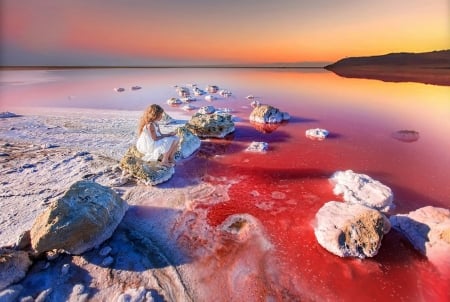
185, 32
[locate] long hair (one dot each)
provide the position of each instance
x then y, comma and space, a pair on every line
151, 114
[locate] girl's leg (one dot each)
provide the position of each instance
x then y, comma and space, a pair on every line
173, 149
169, 156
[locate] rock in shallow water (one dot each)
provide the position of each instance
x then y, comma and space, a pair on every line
350, 230
428, 230
266, 114
82, 219
211, 125
362, 189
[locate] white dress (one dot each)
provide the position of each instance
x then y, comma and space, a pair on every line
151, 149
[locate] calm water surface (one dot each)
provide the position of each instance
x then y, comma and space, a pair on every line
284, 188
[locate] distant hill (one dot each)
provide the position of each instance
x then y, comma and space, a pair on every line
427, 67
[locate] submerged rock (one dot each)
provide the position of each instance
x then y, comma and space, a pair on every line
350, 230
266, 114
258, 147
407, 136
207, 109
362, 189
211, 125
13, 267
82, 219
150, 173
428, 230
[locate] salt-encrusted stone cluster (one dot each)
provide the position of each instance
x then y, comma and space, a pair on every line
355, 227
211, 125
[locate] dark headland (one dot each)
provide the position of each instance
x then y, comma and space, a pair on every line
427, 67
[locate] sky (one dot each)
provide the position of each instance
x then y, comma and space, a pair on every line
205, 32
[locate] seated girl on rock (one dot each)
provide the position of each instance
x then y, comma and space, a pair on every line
151, 142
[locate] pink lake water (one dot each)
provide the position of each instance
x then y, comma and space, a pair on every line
284, 188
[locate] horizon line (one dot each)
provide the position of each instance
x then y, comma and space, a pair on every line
154, 66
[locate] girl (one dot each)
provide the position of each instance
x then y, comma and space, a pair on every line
151, 142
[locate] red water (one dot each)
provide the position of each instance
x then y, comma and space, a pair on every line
285, 187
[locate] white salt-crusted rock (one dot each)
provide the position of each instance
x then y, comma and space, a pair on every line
183, 91
258, 147
350, 230
189, 143
428, 230
8, 114
317, 133
224, 110
266, 114
212, 88
225, 93
198, 91
174, 101
209, 98
362, 189
207, 110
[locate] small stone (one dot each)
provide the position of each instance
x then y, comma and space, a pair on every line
107, 261
258, 147
105, 251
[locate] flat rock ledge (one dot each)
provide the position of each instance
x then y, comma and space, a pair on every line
217, 125
428, 230
362, 189
82, 219
350, 230
266, 114
150, 173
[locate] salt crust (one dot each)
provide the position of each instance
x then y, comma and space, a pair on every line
362, 189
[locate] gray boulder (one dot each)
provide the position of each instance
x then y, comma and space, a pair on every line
189, 143
211, 125
428, 230
362, 189
150, 173
350, 230
13, 266
82, 219
266, 114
